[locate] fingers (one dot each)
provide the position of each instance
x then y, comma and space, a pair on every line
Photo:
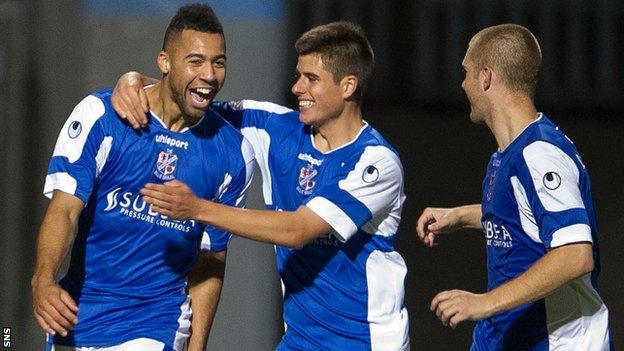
56, 323
130, 100
448, 307
54, 317
421, 224
42, 323
439, 225
144, 103
68, 301
122, 109
134, 103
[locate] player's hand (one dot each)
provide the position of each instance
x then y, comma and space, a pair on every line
173, 199
54, 310
434, 221
455, 306
130, 101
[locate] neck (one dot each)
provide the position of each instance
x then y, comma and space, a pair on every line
510, 117
162, 105
340, 130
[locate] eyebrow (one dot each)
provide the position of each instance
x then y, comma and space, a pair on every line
200, 56
310, 75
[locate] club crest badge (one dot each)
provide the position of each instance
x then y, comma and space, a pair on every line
306, 181
166, 165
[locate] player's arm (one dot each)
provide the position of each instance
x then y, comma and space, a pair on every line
54, 310
556, 268
560, 216
129, 99
205, 283
285, 228
435, 221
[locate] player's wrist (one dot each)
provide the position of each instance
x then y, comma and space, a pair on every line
469, 216
42, 279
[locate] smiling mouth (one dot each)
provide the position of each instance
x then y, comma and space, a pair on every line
201, 95
306, 103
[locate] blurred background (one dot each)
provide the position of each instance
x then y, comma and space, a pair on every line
53, 53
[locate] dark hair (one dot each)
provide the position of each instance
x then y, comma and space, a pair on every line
199, 17
344, 50
513, 51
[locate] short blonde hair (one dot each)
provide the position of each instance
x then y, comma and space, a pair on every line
512, 51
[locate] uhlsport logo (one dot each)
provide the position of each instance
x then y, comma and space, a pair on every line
74, 130
166, 165
131, 205
306, 181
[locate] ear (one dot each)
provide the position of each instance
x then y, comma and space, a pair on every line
348, 86
163, 62
486, 80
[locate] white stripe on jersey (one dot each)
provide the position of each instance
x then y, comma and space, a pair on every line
184, 326
59, 181
382, 196
576, 315
571, 234
260, 140
74, 134
102, 154
529, 225
66, 183
342, 224
259, 105
387, 317
250, 166
555, 176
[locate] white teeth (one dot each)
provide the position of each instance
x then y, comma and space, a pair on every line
305, 103
203, 90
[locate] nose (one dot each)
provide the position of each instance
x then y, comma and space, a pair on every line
298, 87
207, 73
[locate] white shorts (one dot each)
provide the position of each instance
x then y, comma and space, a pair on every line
141, 344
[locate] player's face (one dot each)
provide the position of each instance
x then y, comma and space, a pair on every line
196, 70
320, 98
471, 86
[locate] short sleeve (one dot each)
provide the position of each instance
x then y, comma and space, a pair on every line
552, 182
81, 151
366, 188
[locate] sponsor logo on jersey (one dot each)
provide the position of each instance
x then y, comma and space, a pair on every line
131, 205
370, 174
551, 180
311, 160
74, 130
306, 181
326, 240
497, 235
171, 142
166, 165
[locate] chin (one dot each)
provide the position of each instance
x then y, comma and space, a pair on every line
306, 118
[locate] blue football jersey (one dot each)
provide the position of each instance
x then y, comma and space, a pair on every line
128, 263
537, 197
343, 291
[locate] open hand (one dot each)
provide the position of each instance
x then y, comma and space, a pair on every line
173, 199
54, 310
